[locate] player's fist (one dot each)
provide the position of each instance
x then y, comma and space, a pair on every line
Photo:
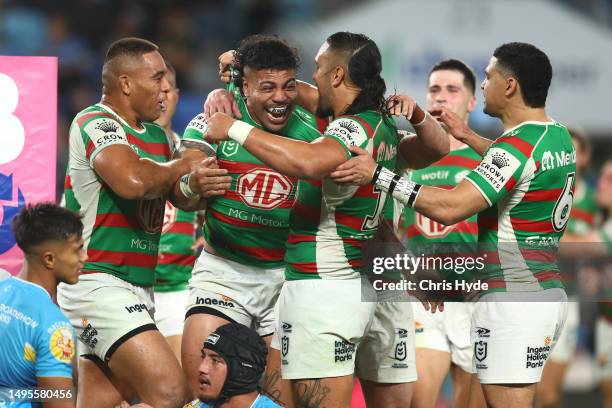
218, 126
225, 60
220, 100
452, 123
209, 180
401, 105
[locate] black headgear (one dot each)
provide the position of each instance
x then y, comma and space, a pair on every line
244, 353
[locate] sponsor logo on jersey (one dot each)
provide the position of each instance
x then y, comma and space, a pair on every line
348, 131
215, 302
287, 327
199, 124
170, 214
483, 332
547, 341
418, 327
29, 353
104, 132
284, 345
136, 308
343, 351
542, 241
401, 351
435, 175
229, 148
402, 333
88, 336
537, 356
386, 152
264, 188
61, 345
497, 167
429, 227
480, 350
551, 161
151, 215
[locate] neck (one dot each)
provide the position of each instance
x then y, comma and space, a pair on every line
38, 274
517, 114
123, 109
343, 99
241, 401
454, 143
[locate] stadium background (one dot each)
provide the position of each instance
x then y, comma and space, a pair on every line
412, 34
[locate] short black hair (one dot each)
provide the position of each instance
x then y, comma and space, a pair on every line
364, 65
453, 64
129, 47
261, 51
38, 223
531, 68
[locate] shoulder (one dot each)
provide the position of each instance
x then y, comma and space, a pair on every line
350, 130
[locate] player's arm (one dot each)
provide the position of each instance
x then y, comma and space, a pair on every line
460, 131
66, 395
594, 244
429, 144
294, 158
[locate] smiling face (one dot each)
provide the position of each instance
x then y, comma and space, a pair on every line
149, 87
447, 89
212, 375
270, 96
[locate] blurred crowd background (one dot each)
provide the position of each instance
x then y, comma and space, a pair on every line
191, 34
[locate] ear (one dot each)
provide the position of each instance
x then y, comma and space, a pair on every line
48, 259
125, 84
471, 104
338, 76
245, 87
512, 87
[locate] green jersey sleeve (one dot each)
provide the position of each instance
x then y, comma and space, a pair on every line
497, 173
348, 132
196, 132
99, 132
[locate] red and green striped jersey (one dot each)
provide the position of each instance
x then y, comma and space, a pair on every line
331, 222
527, 177
121, 236
426, 236
584, 209
250, 223
176, 255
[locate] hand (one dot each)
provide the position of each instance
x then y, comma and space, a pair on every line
401, 105
209, 180
358, 170
433, 306
225, 60
451, 123
220, 100
218, 126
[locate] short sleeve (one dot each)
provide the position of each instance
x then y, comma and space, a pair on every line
348, 132
497, 173
100, 133
196, 132
55, 348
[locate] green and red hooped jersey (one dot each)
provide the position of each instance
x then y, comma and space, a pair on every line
250, 223
584, 209
121, 236
331, 222
527, 177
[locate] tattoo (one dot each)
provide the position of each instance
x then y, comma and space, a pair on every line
270, 382
194, 144
310, 393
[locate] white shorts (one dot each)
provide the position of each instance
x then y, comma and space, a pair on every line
321, 322
234, 291
566, 346
447, 331
603, 347
106, 311
386, 353
170, 311
514, 333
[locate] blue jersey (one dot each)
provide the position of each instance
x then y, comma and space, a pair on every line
261, 402
36, 339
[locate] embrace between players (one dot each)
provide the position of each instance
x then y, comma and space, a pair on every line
288, 211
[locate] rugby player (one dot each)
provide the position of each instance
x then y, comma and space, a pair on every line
119, 175
176, 254
329, 225
581, 222
443, 339
523, 208
239, 274
36, 339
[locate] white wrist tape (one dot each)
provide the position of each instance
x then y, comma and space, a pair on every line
239, 131
402, 189
186, 188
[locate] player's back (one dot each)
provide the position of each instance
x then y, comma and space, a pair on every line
121, 236
35, 338
331, 222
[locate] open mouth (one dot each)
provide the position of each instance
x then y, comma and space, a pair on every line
162, 106
278, 114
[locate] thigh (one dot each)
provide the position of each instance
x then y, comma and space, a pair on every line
387, 395
146, 363
462, 382
510, 395
97, 388
323, 392
432, 368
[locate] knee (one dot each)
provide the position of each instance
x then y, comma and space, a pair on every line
169, 395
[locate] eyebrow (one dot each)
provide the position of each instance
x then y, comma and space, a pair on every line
159, 73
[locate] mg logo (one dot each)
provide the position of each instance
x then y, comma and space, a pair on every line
169, 217
151, 214
431, 228
264, 188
